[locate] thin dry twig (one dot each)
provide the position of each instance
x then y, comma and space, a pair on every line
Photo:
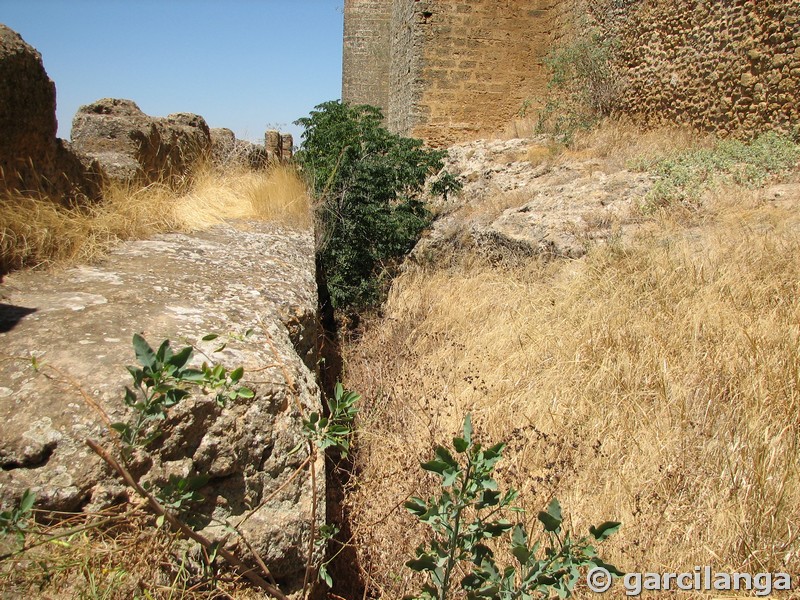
177, 525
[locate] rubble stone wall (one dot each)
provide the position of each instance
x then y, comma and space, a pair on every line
727, 66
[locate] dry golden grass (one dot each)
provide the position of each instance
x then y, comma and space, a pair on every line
38, 232
622, 141
618, 141
278, 194
115, 555
656, 384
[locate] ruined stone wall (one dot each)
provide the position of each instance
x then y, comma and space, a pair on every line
365, 76
725, 66
464, 69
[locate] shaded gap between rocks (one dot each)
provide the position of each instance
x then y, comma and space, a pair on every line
348, 583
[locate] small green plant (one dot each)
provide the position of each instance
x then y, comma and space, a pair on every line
683, 177
180, 494
334, 430
15, 521
325, 535
466, 515
162, 380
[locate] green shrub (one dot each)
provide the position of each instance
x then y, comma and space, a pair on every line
367, 182
683, 177
466, 515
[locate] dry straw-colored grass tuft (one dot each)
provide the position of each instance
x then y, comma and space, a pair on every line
114, 555
38, 232
657, 384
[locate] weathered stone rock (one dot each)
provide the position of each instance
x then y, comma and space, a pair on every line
555, 210
287, 146
222, 142
134, 147
32, 159
272, 142
228, 151
79, 324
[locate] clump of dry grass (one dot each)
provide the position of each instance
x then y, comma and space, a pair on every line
115, 555
657, 384
38, 232
624, 141
278, 194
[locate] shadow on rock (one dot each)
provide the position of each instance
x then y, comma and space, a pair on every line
10, 315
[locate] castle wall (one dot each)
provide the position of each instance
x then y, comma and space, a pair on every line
405, 73
725, 66
365, 73
454, 70
473, 65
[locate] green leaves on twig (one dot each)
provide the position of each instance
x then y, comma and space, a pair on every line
465, 516
15, 521
163, 379
334, 430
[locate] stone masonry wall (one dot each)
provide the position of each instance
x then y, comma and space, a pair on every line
467, 67
453, 70
405, 73
725, 66
365, 78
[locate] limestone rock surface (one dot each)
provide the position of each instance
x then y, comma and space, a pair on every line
229, 151
512, 204
78, 323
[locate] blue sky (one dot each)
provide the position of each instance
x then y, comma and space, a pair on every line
241, 64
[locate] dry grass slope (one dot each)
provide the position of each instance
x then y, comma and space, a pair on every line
657, 384
36, 232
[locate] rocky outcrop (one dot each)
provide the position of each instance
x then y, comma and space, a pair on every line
512, 206
226, 151
33, 160
280, 146
134, 147
79, 323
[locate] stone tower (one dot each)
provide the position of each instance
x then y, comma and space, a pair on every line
447, 70
365, 76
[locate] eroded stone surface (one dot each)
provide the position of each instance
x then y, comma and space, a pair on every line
33, 161
134, 147
79, 323
511, 205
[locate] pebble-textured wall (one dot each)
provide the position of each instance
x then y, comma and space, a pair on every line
724, 65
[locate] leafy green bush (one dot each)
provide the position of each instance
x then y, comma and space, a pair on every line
683, 177
367, 182
584, 85
466, 515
